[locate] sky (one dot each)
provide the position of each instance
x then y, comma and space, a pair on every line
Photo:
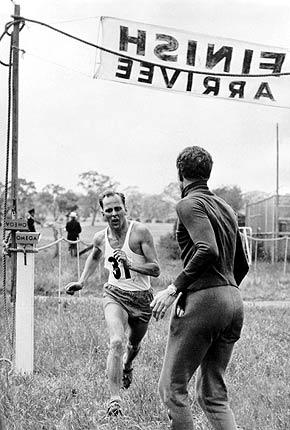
70, 123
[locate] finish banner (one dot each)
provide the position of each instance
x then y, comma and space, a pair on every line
174, 60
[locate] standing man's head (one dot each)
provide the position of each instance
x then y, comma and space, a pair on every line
114, 209
73, 215
31, 212
194, 163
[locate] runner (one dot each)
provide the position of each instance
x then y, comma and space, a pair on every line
130, 256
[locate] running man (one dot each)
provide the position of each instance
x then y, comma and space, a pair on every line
130, 256
208, 315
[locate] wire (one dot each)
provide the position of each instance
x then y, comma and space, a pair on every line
6, 33
1, 37
57, 64
74, 20
110, 51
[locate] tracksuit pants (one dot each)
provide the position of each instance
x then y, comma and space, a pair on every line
203, 340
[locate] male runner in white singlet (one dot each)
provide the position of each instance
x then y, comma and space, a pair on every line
130, 256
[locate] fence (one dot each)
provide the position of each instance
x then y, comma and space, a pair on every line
251, 246
269, 220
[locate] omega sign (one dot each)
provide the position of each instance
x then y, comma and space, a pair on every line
196, 64
27, 238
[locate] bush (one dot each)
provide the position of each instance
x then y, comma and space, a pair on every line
169, 246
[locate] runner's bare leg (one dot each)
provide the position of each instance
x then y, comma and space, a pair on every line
117, 320
137, 331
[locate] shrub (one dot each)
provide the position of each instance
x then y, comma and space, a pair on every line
169, 246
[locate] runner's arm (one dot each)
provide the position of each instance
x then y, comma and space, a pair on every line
91, 263
150, 267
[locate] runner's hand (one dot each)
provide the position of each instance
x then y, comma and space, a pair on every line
72, 287
161, 302
121, 257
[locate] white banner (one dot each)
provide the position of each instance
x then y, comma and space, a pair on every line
208, 66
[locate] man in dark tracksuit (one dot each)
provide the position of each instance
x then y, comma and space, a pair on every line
73, 229
207, 318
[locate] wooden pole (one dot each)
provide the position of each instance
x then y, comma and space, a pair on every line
14, 174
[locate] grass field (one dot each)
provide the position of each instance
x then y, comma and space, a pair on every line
68, 390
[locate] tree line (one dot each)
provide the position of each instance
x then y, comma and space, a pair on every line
54, 201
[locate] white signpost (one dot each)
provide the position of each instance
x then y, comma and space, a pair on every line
24, 310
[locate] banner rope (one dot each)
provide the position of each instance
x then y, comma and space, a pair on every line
110, 51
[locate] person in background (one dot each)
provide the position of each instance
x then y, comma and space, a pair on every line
73, 229
207, 318
31, 220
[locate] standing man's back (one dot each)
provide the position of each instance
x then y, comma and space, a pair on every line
208, 316
200, 206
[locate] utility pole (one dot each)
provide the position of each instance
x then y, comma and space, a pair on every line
23, 244
14, 174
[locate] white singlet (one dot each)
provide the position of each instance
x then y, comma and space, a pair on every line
126, 279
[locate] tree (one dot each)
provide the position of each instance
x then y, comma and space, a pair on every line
95, 184
67, 202
254, 196
26, 193
134, 200
44, 204
232, 195
153, 207
171, 193
49, 196
25, 196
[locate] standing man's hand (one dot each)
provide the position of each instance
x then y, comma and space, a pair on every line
162, 301
72, 287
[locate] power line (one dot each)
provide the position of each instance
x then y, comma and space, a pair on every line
110, 51
59, 65
64, 21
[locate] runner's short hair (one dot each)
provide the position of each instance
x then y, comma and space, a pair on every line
194, 162
111, 193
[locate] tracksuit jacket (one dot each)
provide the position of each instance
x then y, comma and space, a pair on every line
207, 253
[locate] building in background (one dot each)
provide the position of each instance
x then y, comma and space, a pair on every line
270, 219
